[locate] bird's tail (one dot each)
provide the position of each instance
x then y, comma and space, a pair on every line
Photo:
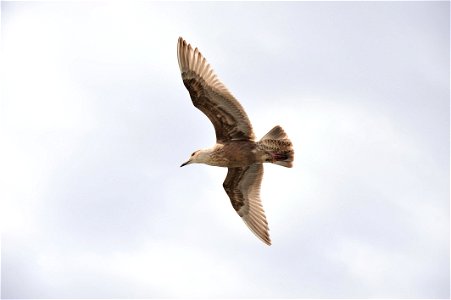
278, 147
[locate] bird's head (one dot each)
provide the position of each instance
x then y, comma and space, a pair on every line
199, 157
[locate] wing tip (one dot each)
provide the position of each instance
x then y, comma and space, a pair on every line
191, 59
262, 235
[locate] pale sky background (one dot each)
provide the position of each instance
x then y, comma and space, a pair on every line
95, 122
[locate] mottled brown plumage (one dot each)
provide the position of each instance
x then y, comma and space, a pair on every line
235, 147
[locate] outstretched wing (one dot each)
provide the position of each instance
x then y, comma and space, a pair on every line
243, 187
211, 97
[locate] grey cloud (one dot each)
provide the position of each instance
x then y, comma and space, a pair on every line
97, 121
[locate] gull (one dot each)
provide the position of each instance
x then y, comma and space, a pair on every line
236, 147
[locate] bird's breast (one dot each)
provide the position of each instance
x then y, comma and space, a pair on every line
235, 154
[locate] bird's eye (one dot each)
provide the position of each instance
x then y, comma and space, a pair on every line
193, 153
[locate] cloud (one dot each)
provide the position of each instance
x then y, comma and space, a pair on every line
96, 122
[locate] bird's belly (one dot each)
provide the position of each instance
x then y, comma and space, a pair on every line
238, 154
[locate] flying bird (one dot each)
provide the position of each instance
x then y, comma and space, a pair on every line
236, 147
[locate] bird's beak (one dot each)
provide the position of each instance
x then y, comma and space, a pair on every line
185, 163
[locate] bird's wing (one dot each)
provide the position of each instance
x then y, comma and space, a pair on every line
211, 97
243, 187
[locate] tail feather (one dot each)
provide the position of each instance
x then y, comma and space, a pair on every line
279, 147
277, 133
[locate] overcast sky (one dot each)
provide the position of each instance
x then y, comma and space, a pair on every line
95, 122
